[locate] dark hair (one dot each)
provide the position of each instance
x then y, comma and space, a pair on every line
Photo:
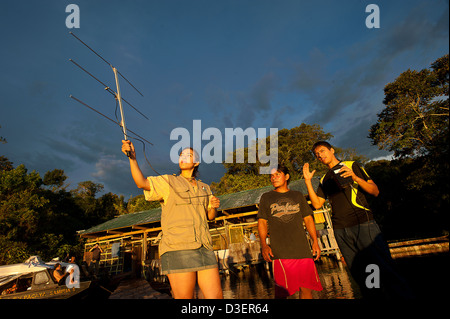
196, 157
321, 143
283, 169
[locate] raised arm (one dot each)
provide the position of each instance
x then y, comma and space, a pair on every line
316, 201
139, 178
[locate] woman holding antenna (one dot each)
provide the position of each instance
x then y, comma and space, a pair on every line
185, 249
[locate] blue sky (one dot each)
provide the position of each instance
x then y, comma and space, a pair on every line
230, 64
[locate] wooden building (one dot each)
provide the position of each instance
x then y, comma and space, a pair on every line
130, 242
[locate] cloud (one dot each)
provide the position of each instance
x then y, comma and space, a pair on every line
347, 99
389, 157
114, 174
242, 108
310, 75
280, 116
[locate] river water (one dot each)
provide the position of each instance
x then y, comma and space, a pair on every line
424, 273
256, 282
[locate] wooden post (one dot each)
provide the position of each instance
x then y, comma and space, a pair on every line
144, 254
144, 247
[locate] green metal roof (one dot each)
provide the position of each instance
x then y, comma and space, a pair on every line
127, 220
227, 201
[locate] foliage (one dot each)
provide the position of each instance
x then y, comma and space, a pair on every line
232, 183
415, 120
403, 209
139, 204
414, 125
40, 217
5, 164
21, 203
294, 149
12, 251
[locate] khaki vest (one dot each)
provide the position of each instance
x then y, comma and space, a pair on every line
184, 220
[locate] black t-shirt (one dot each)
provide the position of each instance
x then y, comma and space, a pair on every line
284, 213
349, 205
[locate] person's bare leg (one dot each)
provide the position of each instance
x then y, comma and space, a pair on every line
305, 293
209, 283
183, 284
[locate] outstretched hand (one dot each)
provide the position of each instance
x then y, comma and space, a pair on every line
306, 173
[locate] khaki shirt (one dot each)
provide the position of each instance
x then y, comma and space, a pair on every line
184, 220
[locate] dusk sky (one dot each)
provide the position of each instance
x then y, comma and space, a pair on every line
246, 63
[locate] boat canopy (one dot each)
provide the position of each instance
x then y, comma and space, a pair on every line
32, 264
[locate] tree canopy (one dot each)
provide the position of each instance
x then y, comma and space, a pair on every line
414, 125
415, 119
39, 216
294, 149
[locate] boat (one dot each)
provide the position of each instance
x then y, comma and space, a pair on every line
33, 279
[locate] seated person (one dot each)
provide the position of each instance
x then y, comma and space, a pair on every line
58, 274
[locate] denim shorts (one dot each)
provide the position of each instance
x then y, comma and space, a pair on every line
188, 260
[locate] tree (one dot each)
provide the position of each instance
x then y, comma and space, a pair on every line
88, 189
139, 204
415, 120
403, 209
110, 206
55, 178
39, 216
294, 149
21, 203
414, 125
12, 251
5, 164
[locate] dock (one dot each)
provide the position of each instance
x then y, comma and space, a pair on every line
136, 288
418, 247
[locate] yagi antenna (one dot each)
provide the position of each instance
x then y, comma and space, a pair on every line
108, 118
106, 62
116, 94
107, 88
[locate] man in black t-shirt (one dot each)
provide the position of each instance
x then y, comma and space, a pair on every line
359, 238
347, 198
283, 211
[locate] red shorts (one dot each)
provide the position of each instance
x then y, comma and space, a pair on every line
291, 274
